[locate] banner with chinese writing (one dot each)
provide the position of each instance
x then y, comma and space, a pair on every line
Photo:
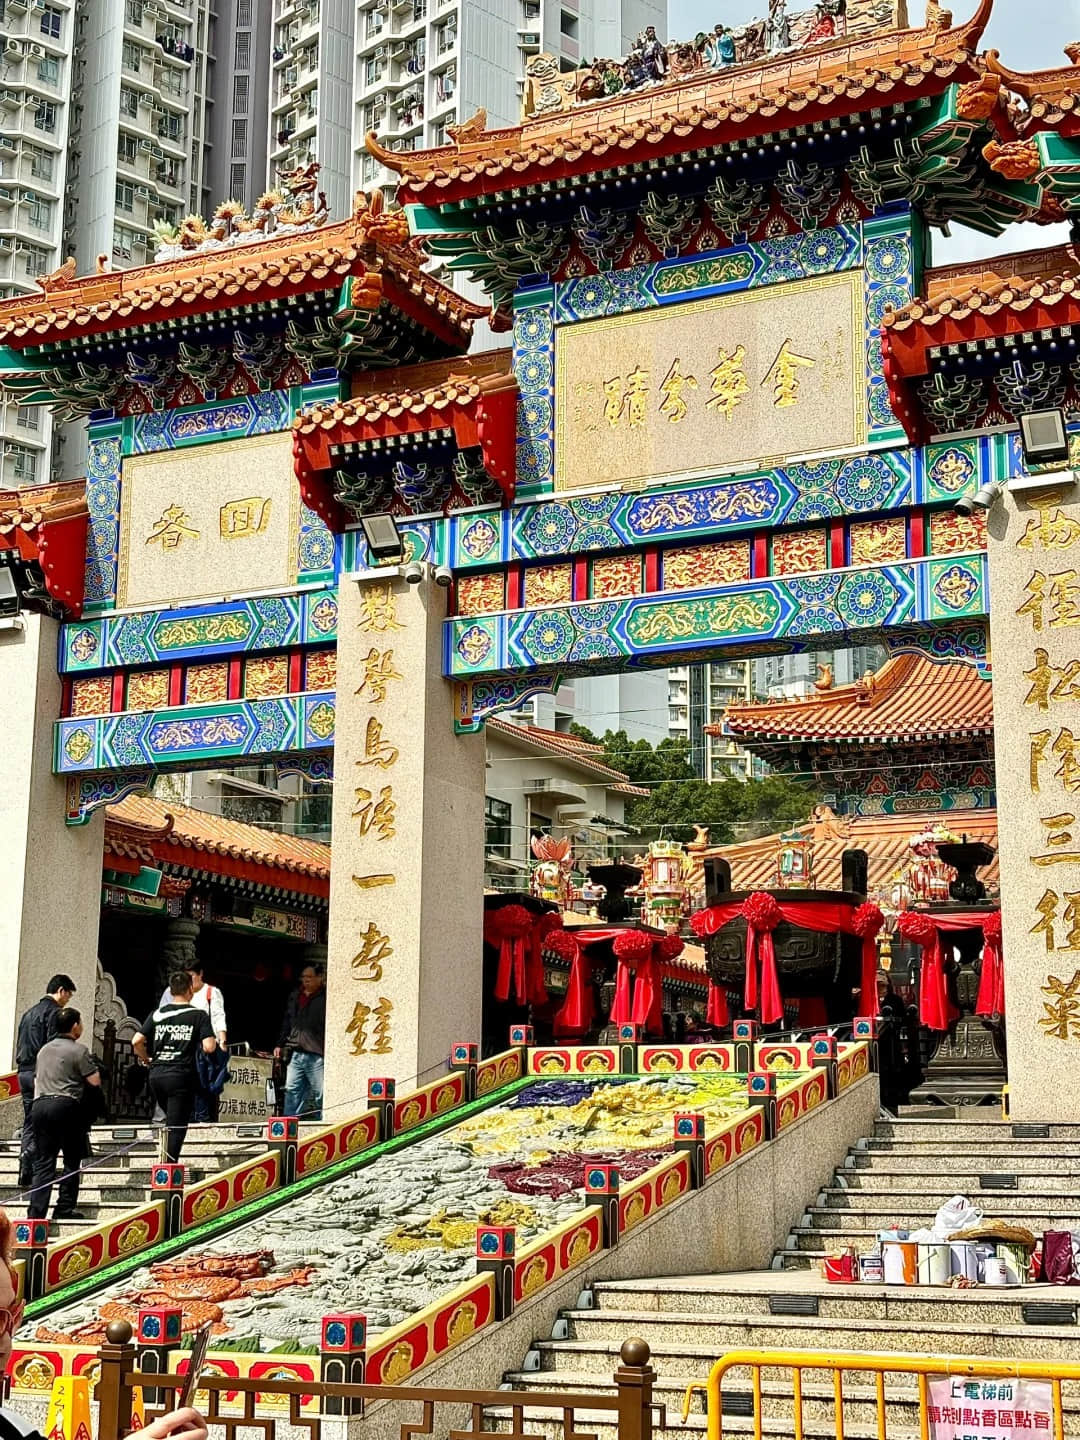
244, 1095
960, 1409
1032, 544
208, 521
729, 383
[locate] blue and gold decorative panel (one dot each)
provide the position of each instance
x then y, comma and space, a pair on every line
952, 469
259, 414
194, 734
534, 367
103, 503
781, 614
957, 587
892, 258
228, 628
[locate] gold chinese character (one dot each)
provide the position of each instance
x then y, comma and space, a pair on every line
378, 671
1039, 741
1049, 682
383, 1011
729, 382
629, 398
1063, 599
1047, 908
357, 1027
584, 399
241, 518
377, 751
379, 609
673, 405
1058, 835
1049, 527
378, 815
173, 527
1061, 1013
375, 947
372, 882
1066, 748
783, 375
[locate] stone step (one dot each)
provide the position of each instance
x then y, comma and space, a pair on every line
685, 1348
1001, 1204
973, 1132
984, 1306
951, 1148
908, 1217
1043, 1174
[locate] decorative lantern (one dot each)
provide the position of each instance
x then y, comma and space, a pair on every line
663, 882
794, 861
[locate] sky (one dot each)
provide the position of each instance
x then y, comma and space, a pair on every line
1030, 34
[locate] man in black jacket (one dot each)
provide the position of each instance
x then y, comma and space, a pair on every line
36, 1028
303, 1035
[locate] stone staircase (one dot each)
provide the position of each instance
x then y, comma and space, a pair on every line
898, 1176
118, 1177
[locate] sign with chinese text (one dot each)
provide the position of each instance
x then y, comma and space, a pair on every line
731, 383
1033, 543
244, 1095
1005, 1409
216, 520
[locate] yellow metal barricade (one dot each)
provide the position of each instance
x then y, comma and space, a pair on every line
838, 1363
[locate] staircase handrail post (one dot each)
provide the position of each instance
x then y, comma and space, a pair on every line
117, 1357
634, 1381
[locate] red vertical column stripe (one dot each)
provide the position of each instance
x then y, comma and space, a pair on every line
837, 545
759, 556
296, 673
514, 587
580, 587
652, 572
917, 534
236, 679
176, 685
118, 691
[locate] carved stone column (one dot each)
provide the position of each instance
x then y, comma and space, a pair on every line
178, 952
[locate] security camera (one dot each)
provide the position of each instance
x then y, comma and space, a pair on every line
413, 573
982, 499
444, 576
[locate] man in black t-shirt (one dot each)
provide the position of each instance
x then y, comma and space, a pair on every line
169, 1042
36, 1028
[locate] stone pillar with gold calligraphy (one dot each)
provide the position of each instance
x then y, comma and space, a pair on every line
406, 885
50, 873
1033, 545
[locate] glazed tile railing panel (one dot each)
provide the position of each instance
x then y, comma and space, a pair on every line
734, 1138
802, 1096
231, 1189
557, 1252
406, 1348
437, 1098
95, 1249
661, 1059
498, 1071
853, 1064
337, 1142
574, 1060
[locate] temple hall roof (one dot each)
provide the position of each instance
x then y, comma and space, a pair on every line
370, 248
427, 394
734, 103
909, 699
567, 747
884, 838
181, 836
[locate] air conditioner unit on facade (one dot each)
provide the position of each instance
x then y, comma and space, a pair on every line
36, 50
13, 46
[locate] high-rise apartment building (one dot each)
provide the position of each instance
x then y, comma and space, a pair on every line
239, 137
698, 695
423, 65
139, 124
311, 93
36, 46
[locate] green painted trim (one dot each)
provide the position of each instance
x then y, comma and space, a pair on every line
201, 1233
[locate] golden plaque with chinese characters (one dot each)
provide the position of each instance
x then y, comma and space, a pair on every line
208, 521
1035, 635
711, 386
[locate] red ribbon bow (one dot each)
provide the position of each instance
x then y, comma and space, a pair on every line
762, 915
991, 997
507, 929
935, 1011
866, 922
575, 1016
634, 949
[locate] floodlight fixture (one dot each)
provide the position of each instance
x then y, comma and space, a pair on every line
1044, 438
383, 539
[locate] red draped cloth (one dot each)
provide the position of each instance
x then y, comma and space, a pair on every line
833, 918
517, 934
936, 1010
575, 1015
991, 996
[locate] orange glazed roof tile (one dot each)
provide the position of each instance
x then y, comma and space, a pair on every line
1045, 280
226, 278
911, 698
1051, 97
414, 390
741, 101
40, 505
209, 842
883, 837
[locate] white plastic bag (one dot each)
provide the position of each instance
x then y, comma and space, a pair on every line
954, 1216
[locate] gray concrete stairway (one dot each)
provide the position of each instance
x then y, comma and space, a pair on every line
117, 1178
898, 1176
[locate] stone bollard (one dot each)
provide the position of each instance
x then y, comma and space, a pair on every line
744, 1033
690, 1137
629, 1040
823, 1057
32, 1247
381, 1092
158, 1331
465, 1056
283, 1136
602, 1188
167, 1184
343, 1355
496, 1247
761, 1090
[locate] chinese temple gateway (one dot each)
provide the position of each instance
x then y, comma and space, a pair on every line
734, 413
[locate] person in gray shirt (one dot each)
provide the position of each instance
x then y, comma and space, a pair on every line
59, 1116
